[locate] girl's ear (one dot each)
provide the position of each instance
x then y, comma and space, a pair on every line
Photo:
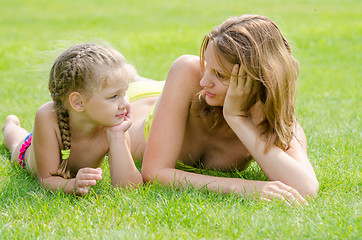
76, 101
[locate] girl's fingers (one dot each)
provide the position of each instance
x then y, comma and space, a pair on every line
90, 170
82, 191
86, 183
90, 176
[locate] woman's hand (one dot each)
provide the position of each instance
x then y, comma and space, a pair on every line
277, 190
86, 177
274, 191
241, 95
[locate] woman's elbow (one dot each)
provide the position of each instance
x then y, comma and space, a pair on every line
311, 190
148, 173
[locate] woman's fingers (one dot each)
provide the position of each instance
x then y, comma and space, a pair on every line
298, 197
234, 76
241, 77
281, 192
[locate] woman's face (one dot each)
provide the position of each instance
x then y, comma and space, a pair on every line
215, 81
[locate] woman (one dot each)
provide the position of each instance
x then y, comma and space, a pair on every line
233, 104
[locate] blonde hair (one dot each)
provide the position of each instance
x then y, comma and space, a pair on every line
83, 68
256, 43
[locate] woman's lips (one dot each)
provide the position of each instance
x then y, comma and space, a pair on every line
209, 94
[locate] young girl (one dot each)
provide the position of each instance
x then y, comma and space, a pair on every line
88, 118
237, 105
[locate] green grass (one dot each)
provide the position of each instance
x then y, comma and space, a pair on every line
326, 39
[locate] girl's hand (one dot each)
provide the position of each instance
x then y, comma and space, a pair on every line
279, 191
86, 177
241, 95
124, 126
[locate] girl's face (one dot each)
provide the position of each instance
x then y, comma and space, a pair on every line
109, 105
215, 81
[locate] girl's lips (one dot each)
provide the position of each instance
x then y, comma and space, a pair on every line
122, 115
209, 94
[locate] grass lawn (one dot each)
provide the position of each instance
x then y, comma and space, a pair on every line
326, 39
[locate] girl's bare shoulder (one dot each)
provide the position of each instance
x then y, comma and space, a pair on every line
46, 114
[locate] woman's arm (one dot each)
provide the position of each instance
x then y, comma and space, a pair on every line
292, 167
166, 138
47, 155
168, 126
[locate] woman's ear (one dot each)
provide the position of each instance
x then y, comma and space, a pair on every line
76, 100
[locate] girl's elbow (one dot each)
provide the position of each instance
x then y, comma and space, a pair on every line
132, 181
138, 180
135, 183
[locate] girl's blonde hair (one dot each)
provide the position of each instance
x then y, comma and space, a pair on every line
255, 43
83, 68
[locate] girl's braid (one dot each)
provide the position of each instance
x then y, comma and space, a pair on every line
80, 68
67, 75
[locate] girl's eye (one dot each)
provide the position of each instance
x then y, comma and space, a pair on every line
114, 96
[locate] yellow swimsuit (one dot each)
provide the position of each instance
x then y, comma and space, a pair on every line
145, 89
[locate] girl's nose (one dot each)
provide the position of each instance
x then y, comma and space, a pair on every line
124, 103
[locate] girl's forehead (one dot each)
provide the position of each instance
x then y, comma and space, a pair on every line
116, 83
115, 79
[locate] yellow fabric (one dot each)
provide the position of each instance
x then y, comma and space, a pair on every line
148, 122
144, 89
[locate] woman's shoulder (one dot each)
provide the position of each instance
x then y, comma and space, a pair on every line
185, 73
188, 65
299, 140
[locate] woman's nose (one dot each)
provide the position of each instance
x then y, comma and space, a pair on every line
206, 80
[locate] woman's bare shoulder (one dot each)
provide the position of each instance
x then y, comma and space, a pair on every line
185, 74
189, 61
299, 140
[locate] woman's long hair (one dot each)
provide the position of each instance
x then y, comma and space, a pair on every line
257, 45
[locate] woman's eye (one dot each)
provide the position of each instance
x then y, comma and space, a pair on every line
220, 76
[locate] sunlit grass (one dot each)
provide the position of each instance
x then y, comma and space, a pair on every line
325, 36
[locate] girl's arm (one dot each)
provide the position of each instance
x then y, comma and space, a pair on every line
292, 167
47, 155
166, 138
123, 170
